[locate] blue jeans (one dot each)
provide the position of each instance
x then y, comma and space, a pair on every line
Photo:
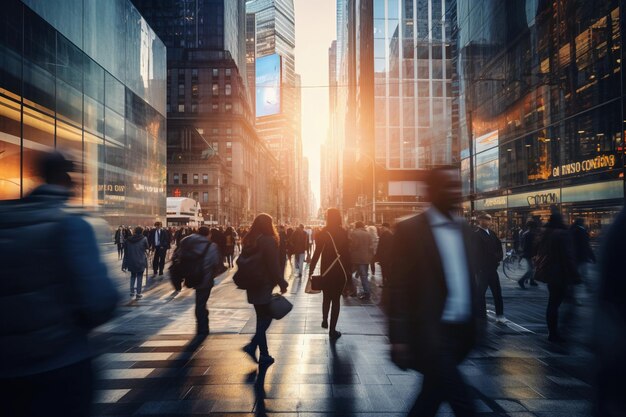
362, 271
138, 277
299, 263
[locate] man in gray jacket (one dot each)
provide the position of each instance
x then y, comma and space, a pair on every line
361, 255
54, 290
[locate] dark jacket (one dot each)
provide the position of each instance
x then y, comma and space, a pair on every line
273, 274
361, 247
556, 246
529, 244
338, 275
135, 259
55, 288
418, 290
299, 241
282, 245
197, 243
165, 238
581, 246
384, 252
487, 250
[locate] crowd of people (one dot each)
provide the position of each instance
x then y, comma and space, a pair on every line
435, 271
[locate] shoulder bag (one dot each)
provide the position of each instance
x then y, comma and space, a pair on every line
318, 282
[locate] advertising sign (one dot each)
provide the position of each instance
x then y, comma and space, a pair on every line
268, 79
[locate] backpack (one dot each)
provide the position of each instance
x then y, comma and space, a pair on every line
249, 273
187, 265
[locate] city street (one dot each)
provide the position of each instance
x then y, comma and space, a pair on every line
150, 364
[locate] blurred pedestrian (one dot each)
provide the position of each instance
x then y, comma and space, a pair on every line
229, 245
299, 244
55, 290
136, 260
263, 239
333, 246
119, 238
361, 256
583, 254
610, 324
529, 250
160, 243
432, 309
282, 247
556, 267
384, 252
488, 253
371, 229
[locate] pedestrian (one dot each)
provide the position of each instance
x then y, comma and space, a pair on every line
159, 241
610, 324
333, 246
263, 238
488, 253
583, 254
555, 263
371, 229
299, 244
282, 247
229, 245
199, 245
136, 260
384, 252
529, 250
432, 311
120, 236
55, 290
361, 256
309, 243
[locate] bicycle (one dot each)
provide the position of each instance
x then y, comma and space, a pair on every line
512, 264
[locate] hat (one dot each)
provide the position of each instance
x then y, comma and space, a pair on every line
484, 216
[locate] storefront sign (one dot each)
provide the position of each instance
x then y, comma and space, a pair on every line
112, 188
599, 162
593, 192
491, 203
535, 199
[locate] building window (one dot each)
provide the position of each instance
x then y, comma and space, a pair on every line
215, 131
215, 107
216, 89
216, 72
229, 89
205, 179
195, 90
228, 107
227, 72
196, 179
229, 145
184, 178
194, 195
229, 131
194, 108
176, 178
194, 74
181, 90
205, 197
216, 146
181, 108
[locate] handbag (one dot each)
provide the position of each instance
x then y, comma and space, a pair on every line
309, 287
317, 281
279, 306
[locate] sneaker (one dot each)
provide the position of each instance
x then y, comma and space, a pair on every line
250, 350
324, 324
266, 360
501, 319
334, 335
139, 296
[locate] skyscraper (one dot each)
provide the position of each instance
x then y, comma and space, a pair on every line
214, 153
274, 33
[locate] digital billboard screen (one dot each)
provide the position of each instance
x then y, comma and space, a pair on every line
268, 77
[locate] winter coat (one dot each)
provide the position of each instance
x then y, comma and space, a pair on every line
581, 246
384, 252
556, 246
529, 244
487, 250
272, 273
55, 287
197, 244
337, 276
135, 259
299, 241
361, 247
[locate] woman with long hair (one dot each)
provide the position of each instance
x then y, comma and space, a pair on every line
263, 237
333, 246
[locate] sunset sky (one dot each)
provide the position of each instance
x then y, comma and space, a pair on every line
315, 30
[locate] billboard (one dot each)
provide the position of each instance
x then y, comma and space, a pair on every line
268, 79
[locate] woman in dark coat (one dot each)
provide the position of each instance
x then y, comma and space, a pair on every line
264, 238
558, 268
336, 268
135, 260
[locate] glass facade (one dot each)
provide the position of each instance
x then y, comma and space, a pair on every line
87, 78
541, 108
413, 72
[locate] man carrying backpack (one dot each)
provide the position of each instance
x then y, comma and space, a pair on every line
195, 262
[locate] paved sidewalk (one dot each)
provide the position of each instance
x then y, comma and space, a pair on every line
152, 366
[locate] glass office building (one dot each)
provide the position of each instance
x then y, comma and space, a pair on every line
86, 77
541, 100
